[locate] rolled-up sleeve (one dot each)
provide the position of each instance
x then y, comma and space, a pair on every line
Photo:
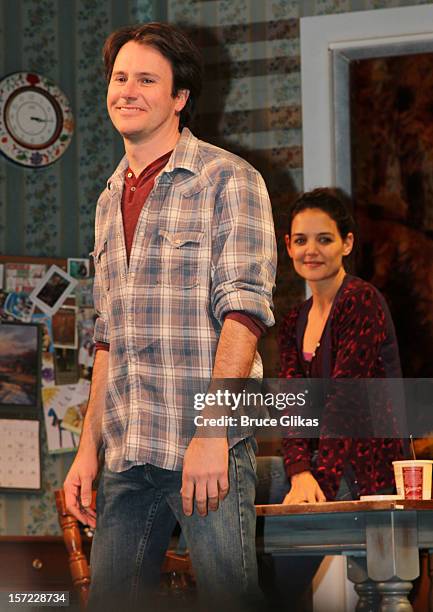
244, 249
101, 330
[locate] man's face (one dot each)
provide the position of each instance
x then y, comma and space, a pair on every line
139, 97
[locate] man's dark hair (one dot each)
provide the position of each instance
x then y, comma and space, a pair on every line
184, 57
330, 200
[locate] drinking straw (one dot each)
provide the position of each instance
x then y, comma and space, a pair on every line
412, 446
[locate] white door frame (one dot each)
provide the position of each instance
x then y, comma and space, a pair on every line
328, 43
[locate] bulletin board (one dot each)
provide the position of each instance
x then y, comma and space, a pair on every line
46, 361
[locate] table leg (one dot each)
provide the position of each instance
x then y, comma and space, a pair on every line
369, 598
393, 557
394, 596
392, 546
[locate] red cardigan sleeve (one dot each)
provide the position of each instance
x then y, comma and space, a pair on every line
289, 366
296, 451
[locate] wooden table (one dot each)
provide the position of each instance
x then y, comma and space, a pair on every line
381, 540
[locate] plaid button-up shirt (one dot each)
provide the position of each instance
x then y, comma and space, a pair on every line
204, 245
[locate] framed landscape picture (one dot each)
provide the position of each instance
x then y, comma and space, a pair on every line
20, 366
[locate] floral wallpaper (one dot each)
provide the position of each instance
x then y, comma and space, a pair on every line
251, 105
95, 138
42, 189
50, 211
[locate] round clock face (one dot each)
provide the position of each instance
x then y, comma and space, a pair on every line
36, 123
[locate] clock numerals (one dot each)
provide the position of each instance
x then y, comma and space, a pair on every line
32, 118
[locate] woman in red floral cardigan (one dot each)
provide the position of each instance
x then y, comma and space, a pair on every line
344, 330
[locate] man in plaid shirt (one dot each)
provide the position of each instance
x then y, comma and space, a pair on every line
184, 271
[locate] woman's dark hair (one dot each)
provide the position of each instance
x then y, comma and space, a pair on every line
330, 200
175, 46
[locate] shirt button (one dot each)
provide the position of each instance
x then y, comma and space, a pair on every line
129, 174
133, 188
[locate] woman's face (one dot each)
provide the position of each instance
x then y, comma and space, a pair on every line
316, 246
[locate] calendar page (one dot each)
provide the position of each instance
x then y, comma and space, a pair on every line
20, 464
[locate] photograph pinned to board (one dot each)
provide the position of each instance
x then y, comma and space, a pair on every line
64, 324
19, 306
20, 360
45, 323
53, 289
48, 373
78, 268
86, 351
21, 276
84, 293
66, 367
4, 316
64, 408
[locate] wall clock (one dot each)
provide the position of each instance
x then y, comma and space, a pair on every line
36, 122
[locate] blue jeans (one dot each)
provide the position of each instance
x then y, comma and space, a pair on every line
136, 513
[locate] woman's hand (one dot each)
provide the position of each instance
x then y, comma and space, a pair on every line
305, 489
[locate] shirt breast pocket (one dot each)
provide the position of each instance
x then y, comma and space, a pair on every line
101, 264
180, 258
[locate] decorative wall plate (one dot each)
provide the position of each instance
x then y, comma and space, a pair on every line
36, 122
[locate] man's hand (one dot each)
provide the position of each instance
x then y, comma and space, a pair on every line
205, 475
205, 465
78, 483
305, 489
78, 487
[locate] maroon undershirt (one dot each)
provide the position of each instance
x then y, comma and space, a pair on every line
135, 193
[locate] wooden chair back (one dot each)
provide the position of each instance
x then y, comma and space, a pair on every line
78, 563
